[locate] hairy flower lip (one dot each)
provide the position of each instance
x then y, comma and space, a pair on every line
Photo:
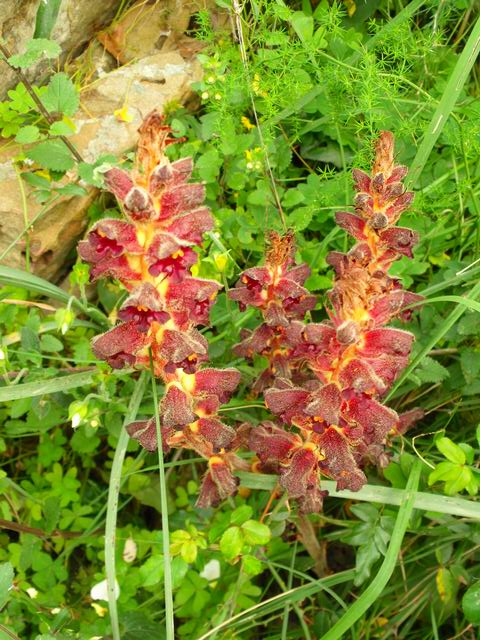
119, 345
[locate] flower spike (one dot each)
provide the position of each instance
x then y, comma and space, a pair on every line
325, 381
151, 254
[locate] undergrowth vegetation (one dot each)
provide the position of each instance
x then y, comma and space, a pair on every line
103, 538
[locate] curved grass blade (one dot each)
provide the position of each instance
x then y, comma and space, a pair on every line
278, 602
375, 588
445, 326
385, 495
447, 102
167, 574
40, 387
26, 280
112, 505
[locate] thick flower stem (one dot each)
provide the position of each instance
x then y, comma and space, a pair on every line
316, 551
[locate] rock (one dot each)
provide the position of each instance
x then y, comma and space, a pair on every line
77, 22
150, 83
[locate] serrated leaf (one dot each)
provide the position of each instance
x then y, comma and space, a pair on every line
49, 343
301, 218
470, 363
431, 371
52, 154
34, 51
60, 128
28, 134
61, 95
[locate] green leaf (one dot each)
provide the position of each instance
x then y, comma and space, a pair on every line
50, 343
231, 543
431, 371
251, 565
450, 450
61, 95
6, 582
52, 154
302, 25
47, 14
255, 532
28, 134
35, 50
471, 603
151, 571
470, 362
241, 514
189, 551
301, 218
29, 339
60, 128
208, 165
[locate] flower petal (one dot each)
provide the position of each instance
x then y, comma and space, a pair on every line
119, 345
176, 408
339, 462
326, 403
296, 475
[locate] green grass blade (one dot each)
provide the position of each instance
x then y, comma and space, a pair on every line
445, 326
450, 96
26, 280
375, 588
112, 505
278, 602
167, 575
374, 493
42, 387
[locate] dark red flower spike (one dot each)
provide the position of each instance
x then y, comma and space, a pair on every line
151, 254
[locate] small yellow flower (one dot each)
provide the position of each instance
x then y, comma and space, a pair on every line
246, 123
211, 79
205, 95
256, 86
221, 261
194, 270
44, 174
99, 610
218, 96
124, 114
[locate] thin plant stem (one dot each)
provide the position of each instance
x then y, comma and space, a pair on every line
41, 107
375, 588
112, 504
25, 219
167, 575
237, 11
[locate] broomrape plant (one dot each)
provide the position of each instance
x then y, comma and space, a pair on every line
324, 381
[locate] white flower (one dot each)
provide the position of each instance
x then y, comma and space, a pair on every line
32, 592
99, 591
55, 610
129, 550
211, 571
76, 420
